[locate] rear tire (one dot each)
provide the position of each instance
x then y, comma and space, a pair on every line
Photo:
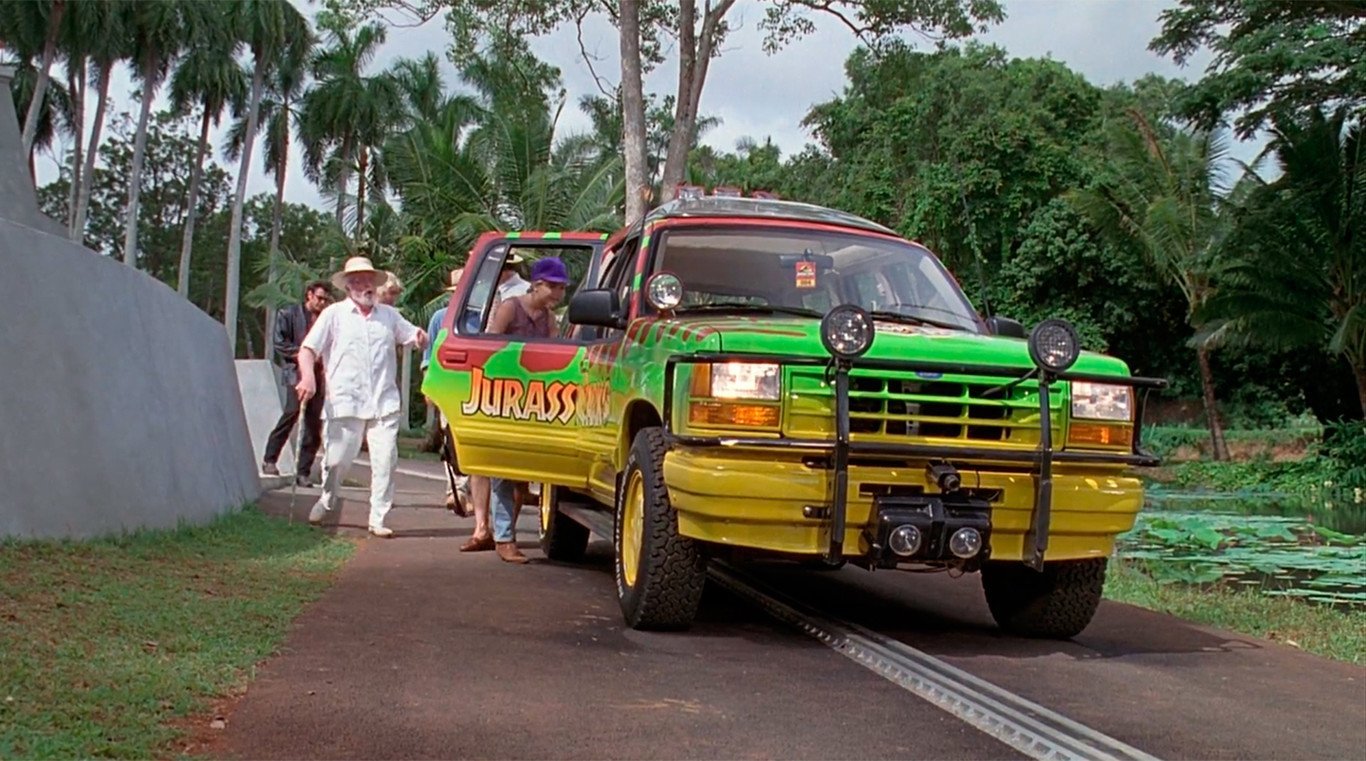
1056, 603
659, 574
562, 538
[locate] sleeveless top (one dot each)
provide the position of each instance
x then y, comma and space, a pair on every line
523, 324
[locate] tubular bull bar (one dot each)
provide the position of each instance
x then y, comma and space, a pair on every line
840, 450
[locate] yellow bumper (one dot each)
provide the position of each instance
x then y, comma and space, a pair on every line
754, 499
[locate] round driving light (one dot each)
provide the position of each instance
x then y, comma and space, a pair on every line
847, 331
965, 542
664, 291
1054, 346
905, 540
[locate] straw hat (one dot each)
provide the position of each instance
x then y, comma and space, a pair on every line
357, 264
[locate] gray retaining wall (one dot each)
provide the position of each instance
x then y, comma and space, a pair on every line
119, 402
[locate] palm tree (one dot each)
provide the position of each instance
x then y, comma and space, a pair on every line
54, 111
157, 31
279, 117
274, 31
1294, 274
347, 114
1164, 194
208, 78
100, 31
33, 28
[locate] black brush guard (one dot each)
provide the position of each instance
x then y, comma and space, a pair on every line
840, 450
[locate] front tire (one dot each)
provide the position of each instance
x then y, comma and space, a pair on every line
659, 573
562, 538
1056, 603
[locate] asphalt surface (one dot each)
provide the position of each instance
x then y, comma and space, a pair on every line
419, 651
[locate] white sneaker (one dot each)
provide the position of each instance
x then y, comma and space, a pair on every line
319, 511
381, 531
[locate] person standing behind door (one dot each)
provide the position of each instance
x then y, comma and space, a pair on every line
530, 315
291, 325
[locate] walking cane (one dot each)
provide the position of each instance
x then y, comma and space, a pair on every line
298, 449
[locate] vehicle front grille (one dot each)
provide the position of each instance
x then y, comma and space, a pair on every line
886, 406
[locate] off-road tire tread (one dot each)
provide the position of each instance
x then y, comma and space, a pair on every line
672, 571
1057, 603
565, 540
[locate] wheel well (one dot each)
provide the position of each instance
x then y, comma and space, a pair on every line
639, 415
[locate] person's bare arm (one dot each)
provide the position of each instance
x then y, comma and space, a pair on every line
308, 385
502, 319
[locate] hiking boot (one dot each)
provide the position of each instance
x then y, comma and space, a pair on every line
508, 552
269, 469
319, 511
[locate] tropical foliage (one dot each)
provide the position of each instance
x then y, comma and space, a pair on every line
1115, 207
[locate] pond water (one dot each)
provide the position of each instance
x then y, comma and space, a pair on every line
1313, 549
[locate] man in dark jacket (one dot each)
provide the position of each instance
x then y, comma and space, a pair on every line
291, 325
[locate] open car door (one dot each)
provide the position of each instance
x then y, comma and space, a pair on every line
513, 401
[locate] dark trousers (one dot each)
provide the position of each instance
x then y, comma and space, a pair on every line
312, 433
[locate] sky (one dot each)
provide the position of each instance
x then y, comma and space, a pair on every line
758, 95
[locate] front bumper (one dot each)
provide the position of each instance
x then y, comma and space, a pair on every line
1093, 501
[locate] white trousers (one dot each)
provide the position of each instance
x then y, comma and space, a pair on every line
342, 437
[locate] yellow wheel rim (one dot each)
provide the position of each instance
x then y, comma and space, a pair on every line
632, 527
547, 508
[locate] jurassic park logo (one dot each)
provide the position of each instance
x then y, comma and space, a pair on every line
553, 402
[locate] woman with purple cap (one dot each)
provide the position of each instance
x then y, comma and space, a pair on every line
530, 314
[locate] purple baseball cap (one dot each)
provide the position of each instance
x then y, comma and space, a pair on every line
549, 269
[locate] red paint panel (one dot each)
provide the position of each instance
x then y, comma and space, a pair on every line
547, 358
459, 354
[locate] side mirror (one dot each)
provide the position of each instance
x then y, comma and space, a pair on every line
596, 307
1004, 326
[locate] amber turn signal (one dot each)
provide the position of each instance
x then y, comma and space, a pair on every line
733, 414
1100, 434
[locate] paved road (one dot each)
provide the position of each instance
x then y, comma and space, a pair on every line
420, 651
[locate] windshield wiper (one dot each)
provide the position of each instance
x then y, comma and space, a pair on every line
882, 314
770, 308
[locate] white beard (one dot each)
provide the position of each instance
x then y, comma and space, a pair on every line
366, 299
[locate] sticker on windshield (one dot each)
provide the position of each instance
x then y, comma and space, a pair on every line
806, 274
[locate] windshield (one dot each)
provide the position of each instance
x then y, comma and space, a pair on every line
814, 271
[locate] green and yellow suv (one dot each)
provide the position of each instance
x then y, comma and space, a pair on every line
756, 377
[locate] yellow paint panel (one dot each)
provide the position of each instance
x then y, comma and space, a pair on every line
749, 498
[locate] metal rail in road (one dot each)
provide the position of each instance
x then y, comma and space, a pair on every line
1024, 725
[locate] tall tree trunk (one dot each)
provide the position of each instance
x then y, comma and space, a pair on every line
633, 110
35, 106
230, 296
276, 217
192, 207
360, 191
1216, 424
76, 83
695, 58
343, 181
88, 175
130, 229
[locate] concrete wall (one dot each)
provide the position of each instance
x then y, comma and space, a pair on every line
262, 399
119, 403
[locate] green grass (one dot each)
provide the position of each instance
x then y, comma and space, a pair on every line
410, 448
105, 645
1334, 633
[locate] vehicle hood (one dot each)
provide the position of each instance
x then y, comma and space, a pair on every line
800, 337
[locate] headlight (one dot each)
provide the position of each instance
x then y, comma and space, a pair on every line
847, 331
1053, 345
1102, 401
664, 291
745, 380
